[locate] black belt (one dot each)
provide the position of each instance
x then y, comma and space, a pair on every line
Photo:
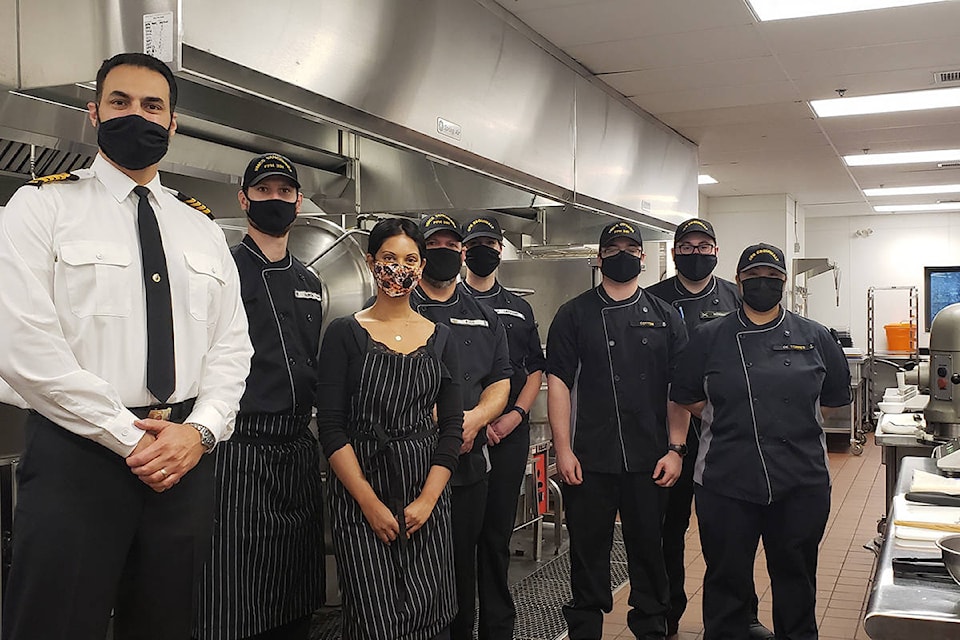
178, 411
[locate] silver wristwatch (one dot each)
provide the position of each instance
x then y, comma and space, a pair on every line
207, 438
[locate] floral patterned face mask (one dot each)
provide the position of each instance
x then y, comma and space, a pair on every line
396, 280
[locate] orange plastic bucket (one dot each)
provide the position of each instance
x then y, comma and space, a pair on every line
901, 336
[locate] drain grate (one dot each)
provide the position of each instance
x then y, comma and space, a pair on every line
538, 597
541, 595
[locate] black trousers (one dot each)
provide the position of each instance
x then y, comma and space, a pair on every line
676, 521
591, 514
89, 537
467, 506
508, 461
791, 529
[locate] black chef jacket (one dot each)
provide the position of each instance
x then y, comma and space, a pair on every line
718, 299
283, 304
516, 315
618, 359
482, 344
762, 432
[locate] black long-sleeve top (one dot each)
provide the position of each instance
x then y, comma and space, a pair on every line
340, 365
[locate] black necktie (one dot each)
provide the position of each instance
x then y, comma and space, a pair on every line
161, 374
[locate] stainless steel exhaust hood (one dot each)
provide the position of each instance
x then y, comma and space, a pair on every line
449, 79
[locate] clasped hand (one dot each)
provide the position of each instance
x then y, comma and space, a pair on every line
165, 453
385, 525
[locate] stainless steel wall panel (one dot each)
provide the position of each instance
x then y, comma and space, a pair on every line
412, 62
545, 276
632, 160
63, 43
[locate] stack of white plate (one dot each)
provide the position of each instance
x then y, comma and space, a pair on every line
895, 398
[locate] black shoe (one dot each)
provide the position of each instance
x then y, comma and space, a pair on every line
759, 632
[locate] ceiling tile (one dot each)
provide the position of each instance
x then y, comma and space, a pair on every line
656, 51
903, 24
732, 73
781, 112
568, 25
716, 97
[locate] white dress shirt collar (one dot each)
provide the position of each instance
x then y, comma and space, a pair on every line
119, 184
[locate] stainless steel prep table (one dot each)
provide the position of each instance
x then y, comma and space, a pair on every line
910, 608
896, 447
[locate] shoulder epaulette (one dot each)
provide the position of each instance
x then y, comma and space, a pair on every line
57, 177
196, 204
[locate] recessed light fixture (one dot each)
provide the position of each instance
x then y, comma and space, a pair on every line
903, 157
913, 191
888, 102
907, 208
703, 178
786, 9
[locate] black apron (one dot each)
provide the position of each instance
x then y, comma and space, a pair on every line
404, 590
267, 563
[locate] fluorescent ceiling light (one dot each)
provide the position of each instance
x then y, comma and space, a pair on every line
785, 9
904, 157
703, 178
888, 102
913, 191
940, 206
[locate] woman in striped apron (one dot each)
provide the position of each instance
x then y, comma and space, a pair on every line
384, 370
265, 577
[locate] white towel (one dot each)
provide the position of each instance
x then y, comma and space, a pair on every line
924, 481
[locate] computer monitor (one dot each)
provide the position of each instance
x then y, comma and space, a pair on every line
941, 287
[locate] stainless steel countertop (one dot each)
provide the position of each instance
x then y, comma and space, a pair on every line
910, 608
899, 440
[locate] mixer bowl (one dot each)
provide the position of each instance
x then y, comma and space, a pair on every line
950, 548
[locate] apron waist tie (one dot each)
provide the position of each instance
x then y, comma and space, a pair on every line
394, 499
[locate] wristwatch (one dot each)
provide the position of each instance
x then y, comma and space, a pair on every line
207, 438
523, 413
680, 449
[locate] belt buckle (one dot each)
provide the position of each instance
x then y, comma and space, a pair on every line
160, 414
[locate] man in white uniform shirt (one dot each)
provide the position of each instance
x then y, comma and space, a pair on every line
121, 326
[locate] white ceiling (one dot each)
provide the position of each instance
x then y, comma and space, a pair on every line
739, 88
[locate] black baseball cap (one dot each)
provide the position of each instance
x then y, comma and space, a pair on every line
762, 255
694, 225
620, 229
482, 227
439, 222
266, 165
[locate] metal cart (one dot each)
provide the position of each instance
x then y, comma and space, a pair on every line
881, 366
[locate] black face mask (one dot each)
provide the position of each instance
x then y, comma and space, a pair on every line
442, 265
483, 260
695, 267
133, 142
762, 294
622, 267
273, 217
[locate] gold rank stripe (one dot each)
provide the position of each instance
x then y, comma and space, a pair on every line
57, 177
196, 204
